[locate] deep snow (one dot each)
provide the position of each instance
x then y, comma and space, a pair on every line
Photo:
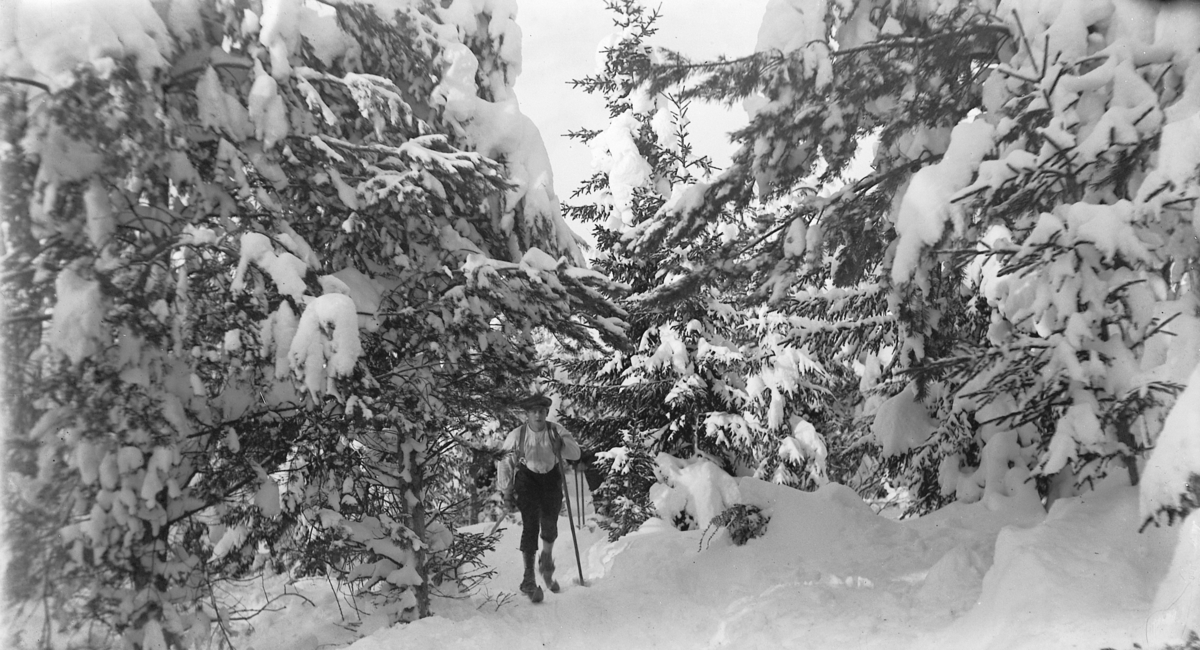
829, 573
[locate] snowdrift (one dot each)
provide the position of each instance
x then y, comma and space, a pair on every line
828, 573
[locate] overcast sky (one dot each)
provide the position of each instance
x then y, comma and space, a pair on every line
560, 44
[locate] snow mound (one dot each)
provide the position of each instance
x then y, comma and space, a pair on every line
1085, 563
694, 489
1176, 607
1170, 469
828, 574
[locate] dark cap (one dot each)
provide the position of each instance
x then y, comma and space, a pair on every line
536, 400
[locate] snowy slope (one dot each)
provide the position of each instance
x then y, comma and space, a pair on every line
829, 573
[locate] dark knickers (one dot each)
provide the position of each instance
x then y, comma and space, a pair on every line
539, 498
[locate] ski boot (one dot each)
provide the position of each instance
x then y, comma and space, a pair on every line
529, 586
546, 568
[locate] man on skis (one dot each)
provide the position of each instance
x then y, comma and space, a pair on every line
530, 478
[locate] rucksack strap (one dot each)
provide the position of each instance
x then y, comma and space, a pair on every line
521, 446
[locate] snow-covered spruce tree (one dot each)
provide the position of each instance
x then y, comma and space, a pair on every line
260, 260
635, 420
704, 375
1017, 267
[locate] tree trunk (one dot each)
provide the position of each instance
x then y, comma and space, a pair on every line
1125, 437
414, 499
473, 503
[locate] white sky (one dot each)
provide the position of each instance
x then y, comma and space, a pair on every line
560, 44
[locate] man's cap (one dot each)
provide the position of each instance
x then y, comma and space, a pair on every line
535, 400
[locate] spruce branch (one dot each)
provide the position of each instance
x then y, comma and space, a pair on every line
28, 82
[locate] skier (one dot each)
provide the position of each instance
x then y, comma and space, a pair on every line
530, 479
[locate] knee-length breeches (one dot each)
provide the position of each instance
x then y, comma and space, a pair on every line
539, 498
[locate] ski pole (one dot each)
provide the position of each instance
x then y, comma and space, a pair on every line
579, 491
500, 520
562, 467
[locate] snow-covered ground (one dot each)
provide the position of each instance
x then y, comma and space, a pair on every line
828, 573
